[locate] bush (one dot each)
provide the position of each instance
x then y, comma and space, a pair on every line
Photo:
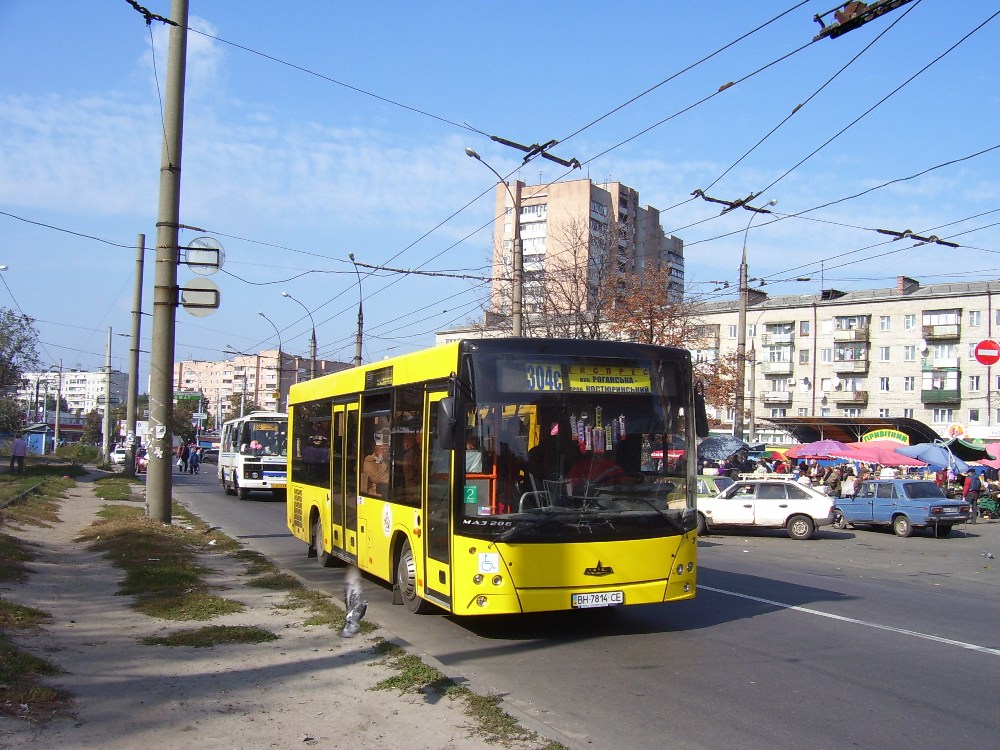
80, 453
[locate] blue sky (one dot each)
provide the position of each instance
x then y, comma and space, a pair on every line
318, 129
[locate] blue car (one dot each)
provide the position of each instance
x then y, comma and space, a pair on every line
904, 504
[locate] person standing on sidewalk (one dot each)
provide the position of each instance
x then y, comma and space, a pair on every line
970, 493
18, 450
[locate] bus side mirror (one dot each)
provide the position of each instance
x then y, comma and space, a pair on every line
446, 423
700, 415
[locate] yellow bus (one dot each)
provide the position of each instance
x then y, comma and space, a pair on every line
503, 476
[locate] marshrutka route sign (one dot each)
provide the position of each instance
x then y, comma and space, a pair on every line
987, 352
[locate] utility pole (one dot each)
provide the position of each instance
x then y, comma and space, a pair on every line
133, 364
159, 479
106, 444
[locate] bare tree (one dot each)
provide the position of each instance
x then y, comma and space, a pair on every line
18, 354
645, 311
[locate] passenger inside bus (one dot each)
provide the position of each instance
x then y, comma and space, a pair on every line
375, 470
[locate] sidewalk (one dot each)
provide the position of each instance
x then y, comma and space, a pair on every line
308, 688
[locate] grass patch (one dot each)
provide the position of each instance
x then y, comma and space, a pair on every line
116, 489
14, 553
255, 563
160, 562
21, 617
40, 508
22, 695
213, 635
276, 581
412, 674
490, 721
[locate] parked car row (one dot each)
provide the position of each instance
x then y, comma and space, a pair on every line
904, 505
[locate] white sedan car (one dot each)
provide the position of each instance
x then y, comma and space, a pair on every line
771, 503
118, 456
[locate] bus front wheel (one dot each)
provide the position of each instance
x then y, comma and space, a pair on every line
241, 492
406, 581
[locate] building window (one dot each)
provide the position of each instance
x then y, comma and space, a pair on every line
909, 383
751, 331
826, 355
909, 354
973, 415
803, 356
943, 416
883, 385
883, 323
883, 354
825, 411
804, 328
779, 412
909, 322
883, 413
853, 412
974, 383
732, 332
803, 411
975, 318
907, 413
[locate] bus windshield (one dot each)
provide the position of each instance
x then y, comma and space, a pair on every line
262, 437
559, 448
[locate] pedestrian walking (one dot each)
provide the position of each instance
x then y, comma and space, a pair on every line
194, 460
18, 450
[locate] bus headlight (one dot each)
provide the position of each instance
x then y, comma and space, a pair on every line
690, 567
680, 569
477, 578
497, 580
481, 601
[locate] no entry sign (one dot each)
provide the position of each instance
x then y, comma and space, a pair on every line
987, 352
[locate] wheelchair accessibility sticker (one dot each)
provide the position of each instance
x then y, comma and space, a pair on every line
489, 562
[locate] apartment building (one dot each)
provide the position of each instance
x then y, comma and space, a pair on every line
260, 378
83, 391
577, 224
904, 352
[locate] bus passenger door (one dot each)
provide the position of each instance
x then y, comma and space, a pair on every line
437, 511
344, 485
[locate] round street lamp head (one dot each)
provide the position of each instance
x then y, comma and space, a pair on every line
471, 152
285, 294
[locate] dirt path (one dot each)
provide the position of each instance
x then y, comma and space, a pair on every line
308, 688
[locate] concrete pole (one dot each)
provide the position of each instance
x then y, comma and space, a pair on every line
106, 444
58, 408
133, 364
159, 479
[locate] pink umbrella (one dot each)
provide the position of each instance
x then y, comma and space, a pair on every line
994, 450
823, 449
884, 452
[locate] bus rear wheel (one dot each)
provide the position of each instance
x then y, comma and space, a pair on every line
406, 581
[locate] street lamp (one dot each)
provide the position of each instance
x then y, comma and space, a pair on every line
280, 355
312, 341
741, 331
361, 315
518, 251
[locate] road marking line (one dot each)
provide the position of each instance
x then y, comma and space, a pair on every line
854, 621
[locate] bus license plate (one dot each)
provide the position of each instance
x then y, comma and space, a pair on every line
599, 599
277, 485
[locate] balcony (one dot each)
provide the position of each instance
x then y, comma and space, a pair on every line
940, 396
851, 398
850, 335
776, 368
771, 339
942, 332
851, 366
777, 397
939, 363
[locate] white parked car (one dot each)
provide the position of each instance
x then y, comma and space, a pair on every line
118, 456
767, 503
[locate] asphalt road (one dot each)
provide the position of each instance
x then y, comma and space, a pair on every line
856, 638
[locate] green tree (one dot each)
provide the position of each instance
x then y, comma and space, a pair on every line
18, 355
93, 428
